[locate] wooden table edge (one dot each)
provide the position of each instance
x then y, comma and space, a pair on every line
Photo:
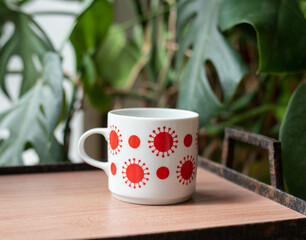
242, 180
293, 228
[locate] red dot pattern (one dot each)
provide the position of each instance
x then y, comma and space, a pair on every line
163, 173
113, 169
134, 141
188, 140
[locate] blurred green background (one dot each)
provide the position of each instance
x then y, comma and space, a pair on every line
236, 63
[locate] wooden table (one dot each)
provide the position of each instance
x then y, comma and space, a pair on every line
78, 205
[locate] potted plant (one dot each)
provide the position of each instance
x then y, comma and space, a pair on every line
235, 62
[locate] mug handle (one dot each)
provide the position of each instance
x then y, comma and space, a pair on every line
103, 165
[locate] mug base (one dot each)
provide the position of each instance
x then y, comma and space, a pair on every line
147, 201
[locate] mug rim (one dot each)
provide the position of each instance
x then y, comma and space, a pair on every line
154, 113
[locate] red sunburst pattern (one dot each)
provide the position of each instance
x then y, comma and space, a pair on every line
186, 170
163, 140
135, 173
115, 140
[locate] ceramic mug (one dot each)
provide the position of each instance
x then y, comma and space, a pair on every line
152, 154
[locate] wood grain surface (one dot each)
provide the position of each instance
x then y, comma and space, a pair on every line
74, 205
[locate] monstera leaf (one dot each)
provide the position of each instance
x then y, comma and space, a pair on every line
293, 139
198, 31
28, 42
280, 27
32, 120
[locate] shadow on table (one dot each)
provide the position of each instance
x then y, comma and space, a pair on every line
217, 197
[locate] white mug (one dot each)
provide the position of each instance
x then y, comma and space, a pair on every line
152, 154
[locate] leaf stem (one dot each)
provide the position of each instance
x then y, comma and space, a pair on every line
14, 72
69, 112
143, 18
217, 129
42, 31
65, 13
140, 13
162, 77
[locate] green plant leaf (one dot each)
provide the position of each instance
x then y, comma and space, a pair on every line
198, 32
29, 43
91, 28
97, 98
88, 34
116, 58
280, 27
32, 120
293, 140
